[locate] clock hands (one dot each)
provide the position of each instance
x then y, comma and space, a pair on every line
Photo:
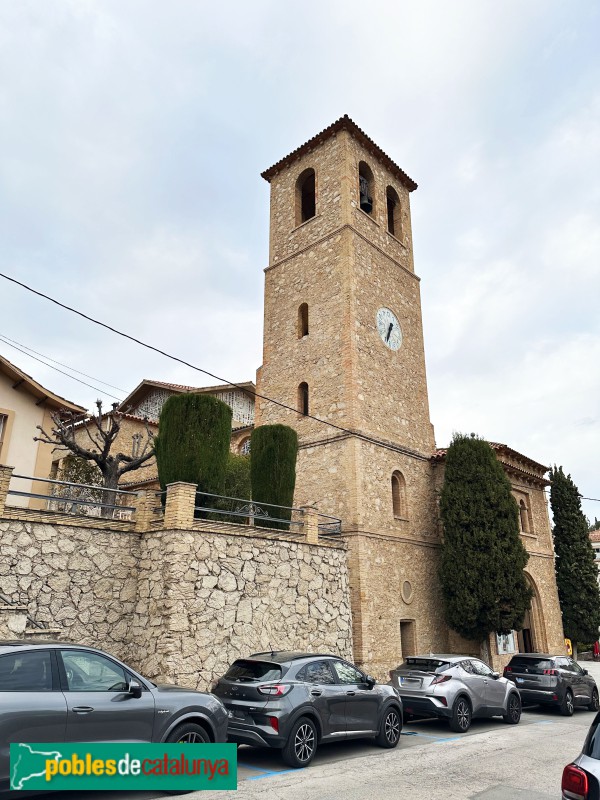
390, 328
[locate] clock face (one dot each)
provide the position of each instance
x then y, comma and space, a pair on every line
389, 328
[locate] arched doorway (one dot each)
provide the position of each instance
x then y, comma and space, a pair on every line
532, 637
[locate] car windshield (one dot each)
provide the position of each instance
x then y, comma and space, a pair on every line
531, 663
425, 664
247, 671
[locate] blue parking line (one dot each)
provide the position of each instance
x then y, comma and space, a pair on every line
250, 766
266, 773
439, 739
271, 774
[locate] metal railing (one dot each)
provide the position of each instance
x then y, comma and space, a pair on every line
77, 499
247, 512
263, 515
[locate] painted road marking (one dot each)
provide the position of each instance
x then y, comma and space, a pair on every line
266, 773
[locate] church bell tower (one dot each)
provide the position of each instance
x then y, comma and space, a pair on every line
343, 342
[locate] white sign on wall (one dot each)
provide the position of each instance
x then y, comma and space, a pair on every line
506, 643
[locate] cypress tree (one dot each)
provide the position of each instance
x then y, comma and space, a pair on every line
481, 571
576, 572
193, 439
273, 449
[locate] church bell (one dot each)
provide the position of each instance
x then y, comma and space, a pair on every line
366, 203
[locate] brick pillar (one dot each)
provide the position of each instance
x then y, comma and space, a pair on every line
145, 503
310, 521
179, 510
5, 476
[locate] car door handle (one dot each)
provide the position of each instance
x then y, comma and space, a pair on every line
351, 694
82, 709
316, 692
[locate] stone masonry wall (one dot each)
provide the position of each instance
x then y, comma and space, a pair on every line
78, 579
205, 599
177, 605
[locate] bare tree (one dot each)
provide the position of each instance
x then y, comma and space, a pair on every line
102, 431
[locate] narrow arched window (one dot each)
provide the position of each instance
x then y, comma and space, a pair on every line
303, 320
393, 212
524, 516
306, 197
303, 398
365, 187
399, 495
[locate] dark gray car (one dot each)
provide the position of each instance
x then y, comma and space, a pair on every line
57, 692
297, 701
552, 680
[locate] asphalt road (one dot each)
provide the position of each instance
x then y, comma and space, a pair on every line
493, 761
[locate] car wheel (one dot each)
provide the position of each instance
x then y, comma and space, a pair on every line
513, 709
389, 734
188, 733
595, 704
301, 745
460, 721
567, 706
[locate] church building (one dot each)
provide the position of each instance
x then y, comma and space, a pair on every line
343, 342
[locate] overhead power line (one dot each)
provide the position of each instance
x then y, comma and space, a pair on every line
14, 342
73, 378
278, 403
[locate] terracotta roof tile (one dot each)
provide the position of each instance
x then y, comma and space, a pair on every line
343, 123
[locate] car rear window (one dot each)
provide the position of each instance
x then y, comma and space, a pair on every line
591, 747
532, 663
246, 671
425, 664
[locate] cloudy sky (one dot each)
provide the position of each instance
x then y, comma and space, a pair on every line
132, 135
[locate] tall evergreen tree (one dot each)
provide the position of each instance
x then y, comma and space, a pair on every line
576, 572
193, 439
481, 571
273, 470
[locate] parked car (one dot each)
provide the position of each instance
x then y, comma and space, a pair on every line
57, 692
552, 680
297, 701
456, 688
581, 779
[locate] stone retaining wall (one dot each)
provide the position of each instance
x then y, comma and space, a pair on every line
178, 605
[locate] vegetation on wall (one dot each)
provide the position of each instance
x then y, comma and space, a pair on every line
74, 469
576, 571
274, 449
237, 486
483, 583
192, 444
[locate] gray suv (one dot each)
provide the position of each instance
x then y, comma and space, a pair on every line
296, 701
57, 692
552, 680
456, 688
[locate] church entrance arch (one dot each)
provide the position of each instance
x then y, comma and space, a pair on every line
532, 637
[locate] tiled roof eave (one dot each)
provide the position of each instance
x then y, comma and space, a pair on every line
343, 123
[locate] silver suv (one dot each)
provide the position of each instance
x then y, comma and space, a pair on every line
456, 688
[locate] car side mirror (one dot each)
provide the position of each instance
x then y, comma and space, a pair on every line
495, 675
134, 689
585, 672
370, 681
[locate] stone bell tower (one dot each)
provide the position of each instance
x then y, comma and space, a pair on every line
343, 342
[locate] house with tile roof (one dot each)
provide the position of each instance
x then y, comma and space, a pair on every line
25, 404
141, 409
